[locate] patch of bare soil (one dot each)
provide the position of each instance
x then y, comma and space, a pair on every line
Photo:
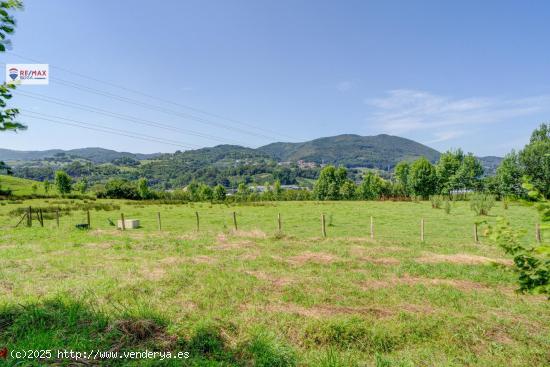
189, 236
250, 256
135, 331
275, 280
172, 260
203, 259
415, 308
224, 244
315, 257
499, 335
375, 250
321, 311
6, 286
359, 240
365, 254
233, 245
393, 281
380, 260
255, 233
102, 245
467, 259
154, 274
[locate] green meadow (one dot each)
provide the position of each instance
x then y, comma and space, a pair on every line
257, 296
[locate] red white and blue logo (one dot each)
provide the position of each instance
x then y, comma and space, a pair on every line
33, 74
13, 73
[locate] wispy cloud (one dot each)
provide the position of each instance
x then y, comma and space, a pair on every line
445, 135
344, 86
401, 111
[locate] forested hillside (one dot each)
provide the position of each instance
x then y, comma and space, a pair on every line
349, 150
229, 165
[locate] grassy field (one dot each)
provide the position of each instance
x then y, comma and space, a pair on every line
21, 186
254, 296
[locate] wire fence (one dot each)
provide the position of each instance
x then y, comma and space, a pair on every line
396, 226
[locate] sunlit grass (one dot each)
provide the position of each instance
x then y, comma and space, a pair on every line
292, 297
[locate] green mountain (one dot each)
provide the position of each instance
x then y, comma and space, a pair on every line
378, 151
227, 164
95, 155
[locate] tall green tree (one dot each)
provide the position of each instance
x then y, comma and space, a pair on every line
47, 184
8, 116
401, 173
468, 175
329, 184
143, 189
277, 190
63, 182
535, 159
206, 193
5, 168
509, 175
423, 178
219, 193
348, 190
81, 186
371, 187
446, 168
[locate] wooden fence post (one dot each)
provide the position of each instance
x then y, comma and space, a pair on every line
235, 220
279, 224
371, 228
122, 220
476, 237
57, 217
538, 236
29, 217
422, 230
198, 223
323, 228
88, 219
40, 217
158, 221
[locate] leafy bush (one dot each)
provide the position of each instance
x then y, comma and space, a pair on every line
481, 204
436, 201
119, 189
532, 262
447, 206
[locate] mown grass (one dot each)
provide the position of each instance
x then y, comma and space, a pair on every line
258, 297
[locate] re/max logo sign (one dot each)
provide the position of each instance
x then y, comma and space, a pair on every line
33, 74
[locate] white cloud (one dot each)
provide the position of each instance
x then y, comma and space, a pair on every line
445, 135
344, 86
402, 111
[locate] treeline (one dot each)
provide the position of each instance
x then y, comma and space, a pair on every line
454, 174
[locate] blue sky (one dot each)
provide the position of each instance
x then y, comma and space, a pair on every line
469, 74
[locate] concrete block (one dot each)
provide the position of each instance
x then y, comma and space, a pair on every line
128, 223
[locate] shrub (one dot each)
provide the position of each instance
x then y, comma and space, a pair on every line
447, 207
481, 204
436, 201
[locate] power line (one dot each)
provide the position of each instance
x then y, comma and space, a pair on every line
136, 120
202, 111
156, 108
95, 127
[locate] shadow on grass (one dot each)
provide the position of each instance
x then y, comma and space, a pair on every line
61, 324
